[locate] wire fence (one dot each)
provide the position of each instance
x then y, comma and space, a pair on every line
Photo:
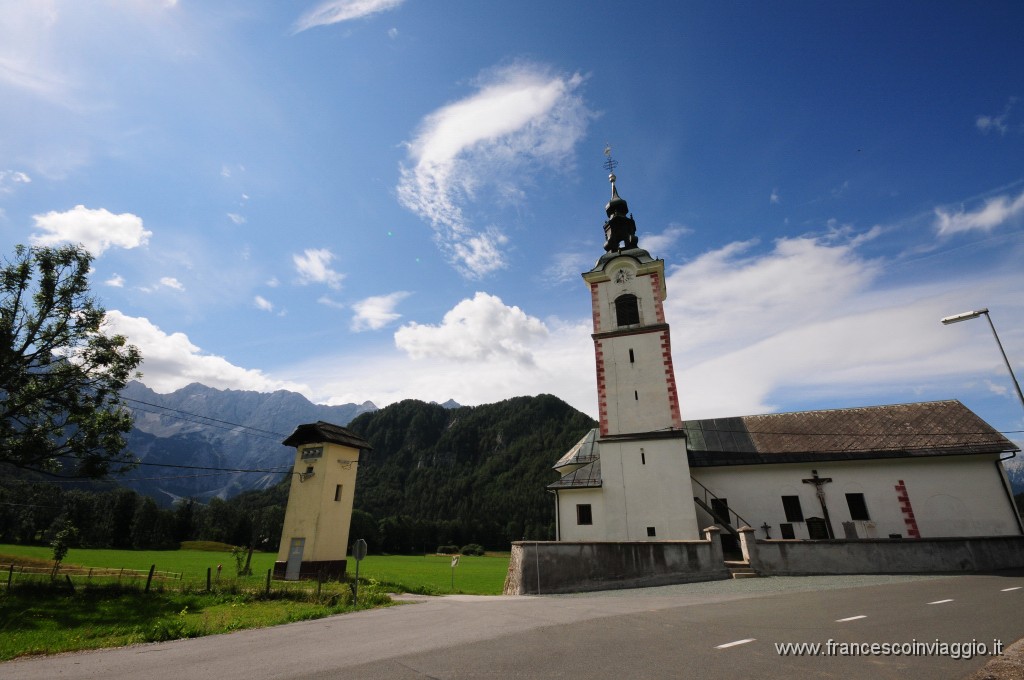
213, 580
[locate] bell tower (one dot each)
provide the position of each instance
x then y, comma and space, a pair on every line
636, 385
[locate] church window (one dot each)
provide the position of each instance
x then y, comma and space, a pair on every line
787, 530
651, 531
584, 515
858, 508
627, 310
794, 513
312, 453
632, 359
337, 492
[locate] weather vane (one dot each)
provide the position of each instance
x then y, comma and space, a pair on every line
610, 164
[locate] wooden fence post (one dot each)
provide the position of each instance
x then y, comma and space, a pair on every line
149, 579
269, 572
208, 570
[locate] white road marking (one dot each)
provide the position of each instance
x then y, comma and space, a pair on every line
851, 618
733, 644
941, 601
1006, 590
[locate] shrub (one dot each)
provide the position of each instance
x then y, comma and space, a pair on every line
472, 549
447, 549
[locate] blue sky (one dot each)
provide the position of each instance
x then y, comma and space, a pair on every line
386, 199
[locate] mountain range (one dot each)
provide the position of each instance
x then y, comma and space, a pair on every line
199, 427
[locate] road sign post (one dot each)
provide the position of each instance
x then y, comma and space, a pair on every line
358, 553
455, 563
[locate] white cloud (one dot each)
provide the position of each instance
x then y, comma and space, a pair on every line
236, 218
336, 11
656, 244
377, 311
811, 316
263, 303
774, 198
475, 329
994, 213
9, 178
171, 282
115, 281
392, 33
97, 230
171, 361
568, 266
329, 302
521, 119
997, 123
313, 267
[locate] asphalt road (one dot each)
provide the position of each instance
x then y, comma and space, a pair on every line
715, 630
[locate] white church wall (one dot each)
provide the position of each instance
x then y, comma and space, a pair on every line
637, 394
644, 487
569, 526
948, 496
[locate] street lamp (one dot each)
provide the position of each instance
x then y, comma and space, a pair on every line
956, 318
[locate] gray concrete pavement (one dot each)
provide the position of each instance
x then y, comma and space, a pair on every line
720, 629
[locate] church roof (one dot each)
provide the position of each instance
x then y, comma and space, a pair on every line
588, 476
937, 428
583, 452
321, 432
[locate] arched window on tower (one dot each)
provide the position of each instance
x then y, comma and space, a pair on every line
627, 310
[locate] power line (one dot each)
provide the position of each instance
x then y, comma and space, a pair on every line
213, 422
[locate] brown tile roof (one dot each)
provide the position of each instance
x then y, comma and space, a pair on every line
321, 432
901, 430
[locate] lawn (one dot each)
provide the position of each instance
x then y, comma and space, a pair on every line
38, 616
483, 575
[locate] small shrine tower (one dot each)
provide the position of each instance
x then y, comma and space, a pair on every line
314, 539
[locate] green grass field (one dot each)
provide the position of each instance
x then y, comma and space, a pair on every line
430, 573
40, 617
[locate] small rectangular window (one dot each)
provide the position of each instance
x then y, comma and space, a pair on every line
651, 531
632, 359
584, 515
337, 492
636, 395
643, 457
312, 452
791, 504
858, 508
787, 531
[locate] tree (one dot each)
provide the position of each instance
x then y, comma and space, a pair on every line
60, 373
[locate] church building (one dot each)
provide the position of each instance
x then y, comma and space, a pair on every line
904, 471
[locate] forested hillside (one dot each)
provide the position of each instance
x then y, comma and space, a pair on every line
477, 474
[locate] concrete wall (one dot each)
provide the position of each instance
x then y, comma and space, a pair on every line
558, 567
948, 495
884, 556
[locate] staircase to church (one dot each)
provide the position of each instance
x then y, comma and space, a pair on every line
739, 569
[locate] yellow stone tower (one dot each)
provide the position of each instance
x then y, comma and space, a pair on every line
314, 539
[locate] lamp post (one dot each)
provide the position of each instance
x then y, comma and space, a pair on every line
956, 318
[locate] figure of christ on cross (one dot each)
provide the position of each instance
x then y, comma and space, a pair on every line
818, 483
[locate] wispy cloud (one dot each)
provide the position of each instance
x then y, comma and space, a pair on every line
97, 230
521, 118
313, 266
377, 311
996, 123
115, 281
475, 329
10, 178
336, 11
774, 198
263, 303
236, 218
993, 213
657, 244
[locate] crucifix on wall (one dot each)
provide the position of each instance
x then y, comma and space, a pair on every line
819, 483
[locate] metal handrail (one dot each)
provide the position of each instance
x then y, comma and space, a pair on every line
740, 521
